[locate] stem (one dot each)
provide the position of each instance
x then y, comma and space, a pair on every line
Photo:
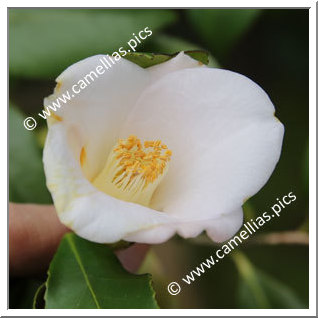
274, 238
288, 237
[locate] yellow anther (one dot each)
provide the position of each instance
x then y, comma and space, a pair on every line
145, 162
134, 170
168, 153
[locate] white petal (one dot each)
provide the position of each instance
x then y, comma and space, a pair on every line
219, 125
218, 229
90, 213
225, 226
98, 109
222, 132
156, 235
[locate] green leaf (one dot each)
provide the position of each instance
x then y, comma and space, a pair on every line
43, 42
149, 59
169, 44
257, 289
26, 175
38, 300
83, 274
220, 29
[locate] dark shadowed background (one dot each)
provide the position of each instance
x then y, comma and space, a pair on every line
270, 47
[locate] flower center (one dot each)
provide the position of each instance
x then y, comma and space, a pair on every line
134, 170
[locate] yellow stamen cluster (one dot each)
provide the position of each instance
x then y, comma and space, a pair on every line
135, 159
134, 170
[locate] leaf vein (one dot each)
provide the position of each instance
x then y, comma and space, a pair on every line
80, 264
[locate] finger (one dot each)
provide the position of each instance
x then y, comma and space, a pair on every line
34, 235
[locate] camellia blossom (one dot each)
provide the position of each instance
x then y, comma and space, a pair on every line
143, 154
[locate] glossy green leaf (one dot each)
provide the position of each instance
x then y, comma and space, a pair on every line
220, 29
150, 59
26, 175
257, 289
168, 44
43, 42
83, 274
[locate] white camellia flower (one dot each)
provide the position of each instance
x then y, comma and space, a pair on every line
142, 154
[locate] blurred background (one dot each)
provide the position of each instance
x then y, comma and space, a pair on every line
270, 46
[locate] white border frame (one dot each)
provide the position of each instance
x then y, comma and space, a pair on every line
312, 164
